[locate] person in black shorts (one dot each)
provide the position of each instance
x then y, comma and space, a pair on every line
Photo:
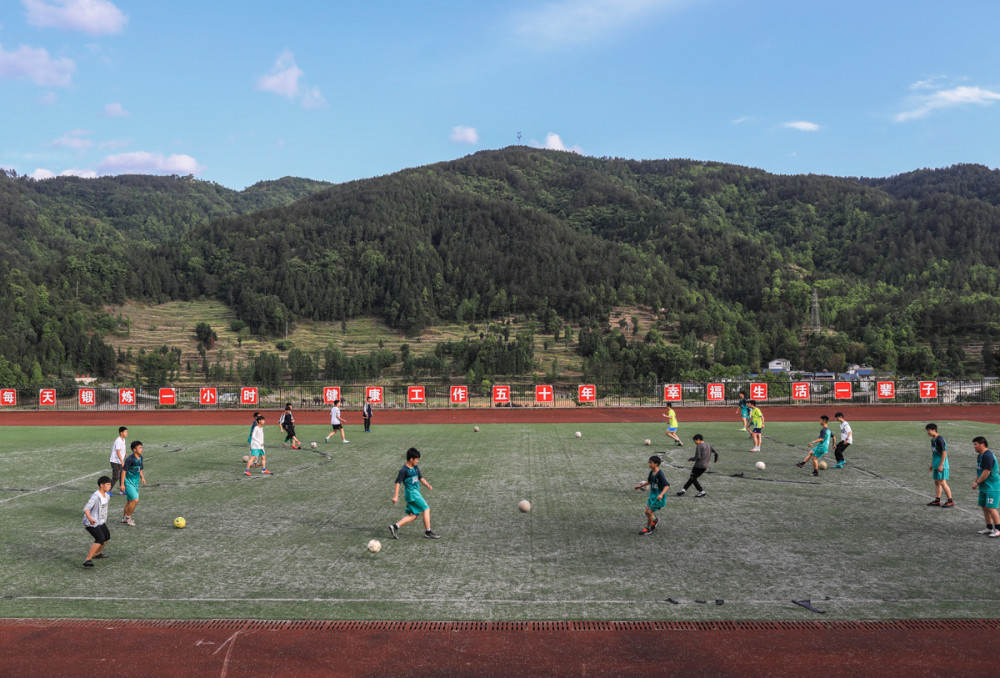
287, 424
95, 520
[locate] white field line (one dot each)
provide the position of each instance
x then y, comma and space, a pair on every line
52, 487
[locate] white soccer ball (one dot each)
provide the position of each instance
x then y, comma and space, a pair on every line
760, 466
648, 442
524, 506
374, 546
313, 445
476, 429
578, 434
246, 458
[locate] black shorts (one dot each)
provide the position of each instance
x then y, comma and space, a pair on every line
337, 427
289, 432
100, 533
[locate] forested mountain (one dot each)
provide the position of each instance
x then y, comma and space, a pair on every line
905, 268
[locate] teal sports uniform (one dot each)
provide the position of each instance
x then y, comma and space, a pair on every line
131, 468
989, 489
410, 479
657, 481
938, 448
823, 446
744, 407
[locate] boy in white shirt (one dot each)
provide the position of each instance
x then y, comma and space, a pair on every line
95, 520
846, 440
336, 423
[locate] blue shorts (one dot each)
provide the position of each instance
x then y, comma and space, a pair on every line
672, 430
756, 430
257, 453
989, 500
416, 505
817, 452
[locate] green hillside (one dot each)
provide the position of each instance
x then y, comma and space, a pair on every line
727, 258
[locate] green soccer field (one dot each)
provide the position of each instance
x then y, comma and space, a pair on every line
859, 542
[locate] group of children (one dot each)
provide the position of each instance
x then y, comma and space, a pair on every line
128, 474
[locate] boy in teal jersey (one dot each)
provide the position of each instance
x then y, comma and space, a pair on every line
131, 476
658, 486
744, 410
820, 446
939, 467
410, 478
988, 484
672, 425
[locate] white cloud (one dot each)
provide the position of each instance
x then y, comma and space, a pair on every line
48, 98
740, 121
115, 110
142, 162
554, 142
283, 80
94, 17
570, 21
36, 65
948, 98
464, 135
802, 126
77, 140
41, 174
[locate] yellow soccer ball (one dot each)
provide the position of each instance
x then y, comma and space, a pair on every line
179, 522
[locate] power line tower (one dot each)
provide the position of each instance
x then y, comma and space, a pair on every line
814, 311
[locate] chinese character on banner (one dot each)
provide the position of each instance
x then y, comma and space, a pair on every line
671, 392
47, 396
587, 393
928, 389
543, 394
842, 390
88, 396
887, 389
501, 394
715, 392
375, 393
8, 396
126, 396
459, 394
248, 395
168, 396
800, 390
758, 391
415, 394
331, 393
208, 396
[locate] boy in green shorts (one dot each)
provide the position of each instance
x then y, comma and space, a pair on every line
820, 446
410, 478
988, 484
258, 457
939, 467
131, 476
658, 486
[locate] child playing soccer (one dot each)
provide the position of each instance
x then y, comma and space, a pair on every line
744, 410
988, 484
846, 440
820, 446
257, 448
756, 425
658, 486
336, 423
131, 476
703, 453
410, 478
672, 424
287, 424
95, 520
939, 467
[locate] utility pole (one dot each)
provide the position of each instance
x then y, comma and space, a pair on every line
814, 311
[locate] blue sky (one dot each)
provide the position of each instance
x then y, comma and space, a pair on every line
238, 92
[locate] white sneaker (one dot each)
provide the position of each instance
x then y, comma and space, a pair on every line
346, 441
985, 530
994, 533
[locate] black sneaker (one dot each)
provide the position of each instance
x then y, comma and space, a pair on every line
801, 464
88, 563
936, 502
681, 493
644, 532
394, 530
656, 521
430, 535
99, 555
678, 444
948, 504
816, 473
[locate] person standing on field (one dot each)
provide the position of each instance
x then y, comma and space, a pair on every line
118, 454
366, 414
672, 425
131, 476
703, 453
336, 423
95, 520
846, 440
988, 484
939, 467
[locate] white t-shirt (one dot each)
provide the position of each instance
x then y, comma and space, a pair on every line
257, 438
846, 434
118, 446
334, 416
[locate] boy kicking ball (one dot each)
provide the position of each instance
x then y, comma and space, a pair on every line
658, 486
410, 478
820, 446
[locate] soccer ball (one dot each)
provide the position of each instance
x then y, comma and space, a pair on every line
476, 429
524, 506
313, 445
578, 434
179, 522
760, 466
648, 442
822, 465
374, 546
246, 458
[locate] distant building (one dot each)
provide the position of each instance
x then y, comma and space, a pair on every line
779, 366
